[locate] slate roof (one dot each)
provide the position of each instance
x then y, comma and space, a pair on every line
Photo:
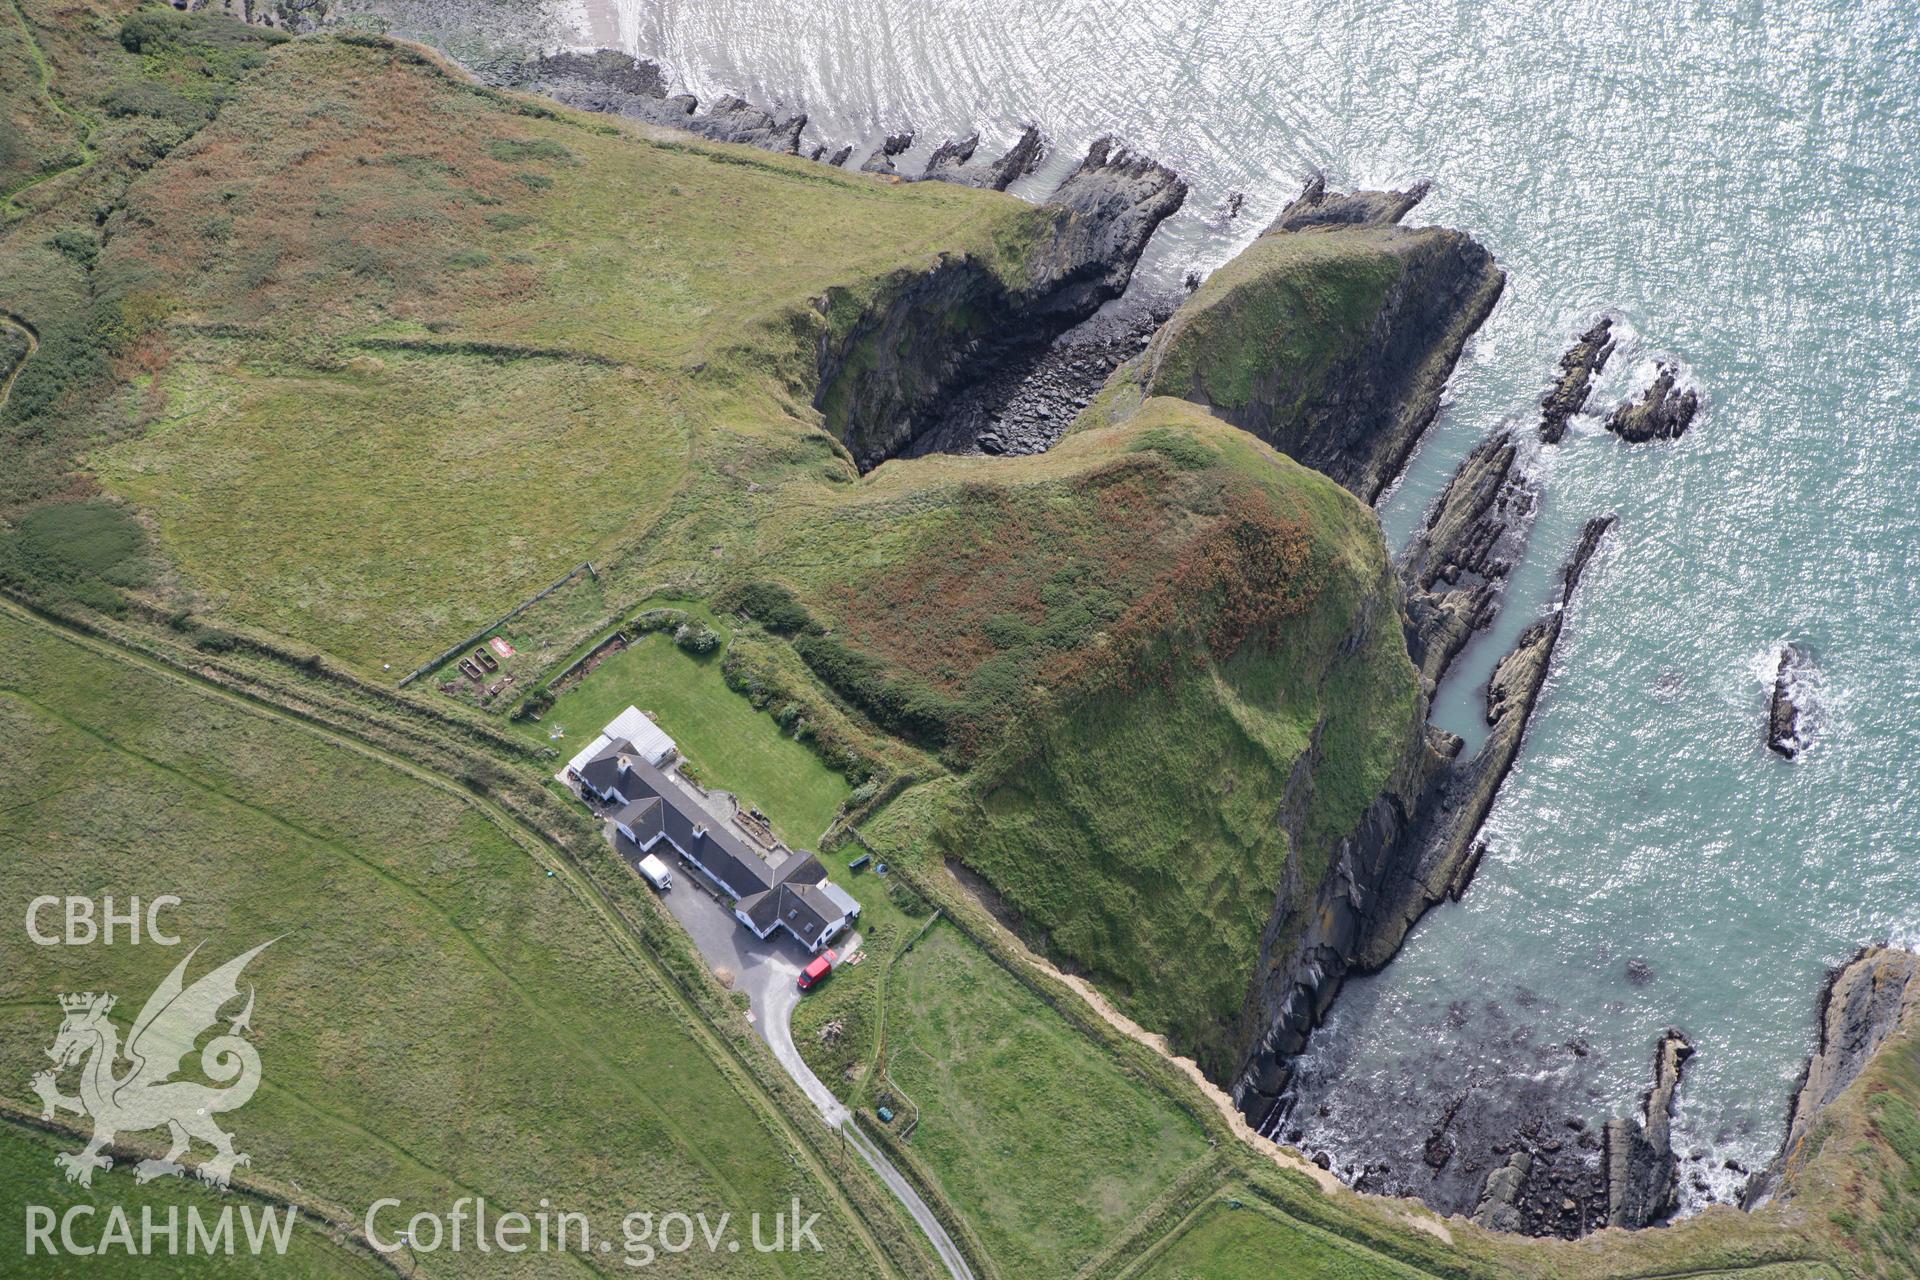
796, 894
602, 773
642, 817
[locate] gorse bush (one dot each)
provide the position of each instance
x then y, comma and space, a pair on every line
78, 552
770, 604
902, 704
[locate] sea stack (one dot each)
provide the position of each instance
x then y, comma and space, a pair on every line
1785, 733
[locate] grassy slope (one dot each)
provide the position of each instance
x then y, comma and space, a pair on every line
1280, 313
1232, 1237
1153, 860
433, 487
439, 1018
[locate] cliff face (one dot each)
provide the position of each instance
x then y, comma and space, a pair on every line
886, 362
1869, 1001
1414, 848
1331, 336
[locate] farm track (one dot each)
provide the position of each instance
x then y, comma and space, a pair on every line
11, 321
81, 125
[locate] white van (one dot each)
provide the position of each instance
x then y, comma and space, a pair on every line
656, 873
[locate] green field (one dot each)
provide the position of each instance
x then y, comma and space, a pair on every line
438, 1018
404, 531
731, 745
1049, 1145
1253, 1242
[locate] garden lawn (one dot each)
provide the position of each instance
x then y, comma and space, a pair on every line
1052, 1148
437, 1017
731, 745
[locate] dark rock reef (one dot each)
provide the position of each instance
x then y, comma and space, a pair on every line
1641, 1176
881, 161
1663, 412
952, 162
616, 83
1866, 1001
1786, 727
1333, 334
1578, 367
1452, 570
1315, 206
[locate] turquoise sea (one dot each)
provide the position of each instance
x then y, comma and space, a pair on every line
1737, 183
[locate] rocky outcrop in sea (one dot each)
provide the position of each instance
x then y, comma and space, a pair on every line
953, 162
1315, 206
1788, 721
1452, 571
1578, 367
1664, 410
881, 161
1641, 1175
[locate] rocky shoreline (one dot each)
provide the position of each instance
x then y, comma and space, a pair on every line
961, 339
1866, 1002
1024, 400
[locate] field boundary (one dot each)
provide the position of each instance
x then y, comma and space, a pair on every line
585, 566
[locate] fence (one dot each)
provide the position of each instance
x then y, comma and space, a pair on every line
433, 665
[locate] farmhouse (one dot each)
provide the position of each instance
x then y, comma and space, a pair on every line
793, 894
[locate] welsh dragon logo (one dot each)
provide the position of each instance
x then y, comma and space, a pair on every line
145, 1096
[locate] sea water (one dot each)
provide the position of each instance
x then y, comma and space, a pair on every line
1736, 183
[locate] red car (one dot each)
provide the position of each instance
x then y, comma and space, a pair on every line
822, 966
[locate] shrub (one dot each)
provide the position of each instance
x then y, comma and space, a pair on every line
696, 638
659, 620
771, 605
148, 98
76, 551
1182, 451
78, 245
904, 705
